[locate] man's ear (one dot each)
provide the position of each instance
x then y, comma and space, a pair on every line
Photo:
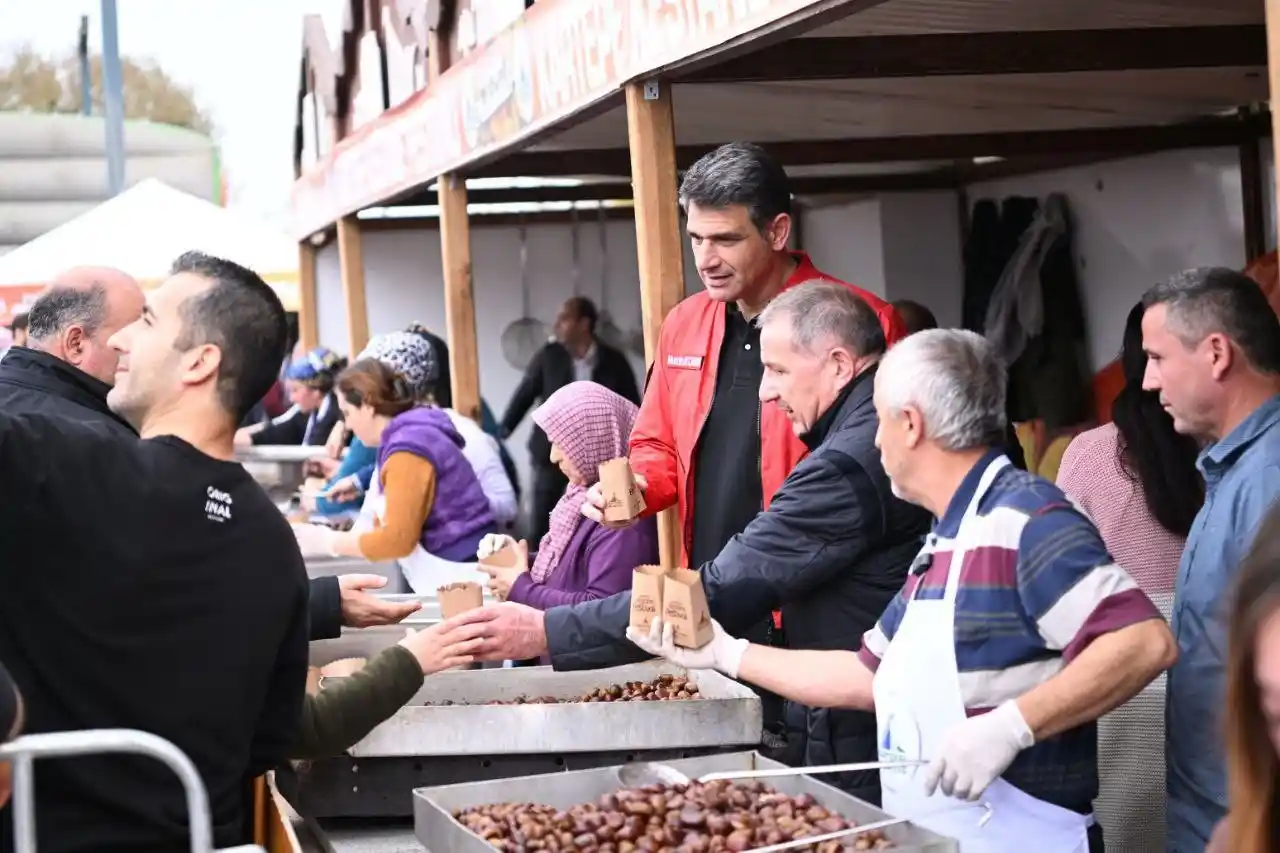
201, 364
74, 342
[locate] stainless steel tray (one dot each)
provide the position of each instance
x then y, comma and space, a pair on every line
729, 715
286, 453
439, 833
324, 567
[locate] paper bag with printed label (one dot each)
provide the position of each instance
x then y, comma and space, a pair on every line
646, 596
623, 499
684, 607
504, 558
459, 598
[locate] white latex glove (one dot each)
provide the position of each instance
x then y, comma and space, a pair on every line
723, 653
977, 751
492, 543
316, 540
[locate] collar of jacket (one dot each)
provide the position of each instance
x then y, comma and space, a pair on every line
45, 372
852, 396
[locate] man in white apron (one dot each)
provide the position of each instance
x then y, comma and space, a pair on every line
992, 676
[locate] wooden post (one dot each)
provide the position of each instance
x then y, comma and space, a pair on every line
1273, 73
351, 264
308, 316
459, 298
455, 253
659, 244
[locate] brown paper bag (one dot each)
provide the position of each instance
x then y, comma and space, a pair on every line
623, 499
646, 596
504, 558
684, 606
459, 598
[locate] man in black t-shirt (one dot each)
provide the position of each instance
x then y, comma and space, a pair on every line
150, 583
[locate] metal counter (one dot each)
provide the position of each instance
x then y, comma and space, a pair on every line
438, 832
728, 713
439, 745
324, 567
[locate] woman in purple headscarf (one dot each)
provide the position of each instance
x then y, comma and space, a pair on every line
578, 560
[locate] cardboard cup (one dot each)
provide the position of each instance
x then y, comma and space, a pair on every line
459, 598
504, 558
623, 499
646, 596
684, 607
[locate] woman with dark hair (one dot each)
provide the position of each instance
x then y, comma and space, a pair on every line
1252, 719
431, 509
1136, 478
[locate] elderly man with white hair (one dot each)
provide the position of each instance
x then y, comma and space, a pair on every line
1014, 631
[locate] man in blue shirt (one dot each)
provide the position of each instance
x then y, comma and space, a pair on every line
1213, 348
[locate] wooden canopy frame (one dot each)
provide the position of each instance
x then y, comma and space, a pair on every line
896, 95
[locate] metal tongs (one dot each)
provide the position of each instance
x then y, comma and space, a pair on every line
647, 773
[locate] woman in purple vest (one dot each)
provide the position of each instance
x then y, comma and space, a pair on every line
430, 508
577, 560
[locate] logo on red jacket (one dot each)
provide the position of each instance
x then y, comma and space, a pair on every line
685, 362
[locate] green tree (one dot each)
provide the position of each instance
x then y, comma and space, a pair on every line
30, 81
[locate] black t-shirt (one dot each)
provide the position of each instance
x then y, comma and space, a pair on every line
727, 491
8, 703
145, 585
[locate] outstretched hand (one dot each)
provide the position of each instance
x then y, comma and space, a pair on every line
360, 609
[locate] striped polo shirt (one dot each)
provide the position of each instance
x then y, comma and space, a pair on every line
1034, 591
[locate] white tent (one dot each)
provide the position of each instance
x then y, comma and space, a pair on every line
142, 231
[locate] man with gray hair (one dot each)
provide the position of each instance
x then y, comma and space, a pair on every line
831, 550
1213, 354
1014, 631
66, 366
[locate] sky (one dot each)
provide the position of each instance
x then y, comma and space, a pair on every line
239, 56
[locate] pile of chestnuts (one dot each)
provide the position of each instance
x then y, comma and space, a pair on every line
696, 818
662, 688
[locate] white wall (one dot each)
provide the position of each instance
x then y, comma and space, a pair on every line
845, 241
1140, 220
898, 246
404, 283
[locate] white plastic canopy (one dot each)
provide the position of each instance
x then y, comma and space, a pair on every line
141, 231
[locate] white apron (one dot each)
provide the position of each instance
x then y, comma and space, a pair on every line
423, 571
917, 697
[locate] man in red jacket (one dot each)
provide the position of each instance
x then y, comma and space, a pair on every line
702, 410
707, 370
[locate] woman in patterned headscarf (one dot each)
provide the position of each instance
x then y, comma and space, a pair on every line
413, 357
578, 560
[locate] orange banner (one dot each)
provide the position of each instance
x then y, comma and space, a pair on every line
559, 58
15, 299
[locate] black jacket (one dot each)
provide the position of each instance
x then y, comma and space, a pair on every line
10, 702
32, 381
291, 427
551, 370
832, 550
36, 382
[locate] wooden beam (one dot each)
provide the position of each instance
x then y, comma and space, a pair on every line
459, 297
1273, 53
455, 253
951, 54
1214, 133
659, 242
937, 178
351, 266
308, 316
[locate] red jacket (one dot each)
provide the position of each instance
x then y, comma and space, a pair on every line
678, 399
